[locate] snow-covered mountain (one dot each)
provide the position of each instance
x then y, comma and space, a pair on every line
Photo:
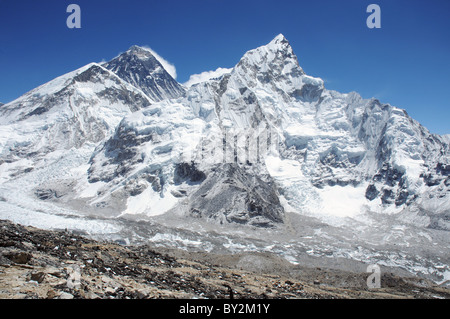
139, 67
83, 106
324, 146
262, 146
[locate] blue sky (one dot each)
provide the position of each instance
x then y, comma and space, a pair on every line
405, 63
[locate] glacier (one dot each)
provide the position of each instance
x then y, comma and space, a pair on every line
260, 158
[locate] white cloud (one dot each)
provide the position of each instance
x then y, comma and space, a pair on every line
169, 67
205, 76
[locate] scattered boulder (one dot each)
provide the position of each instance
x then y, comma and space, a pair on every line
18, 257
65, 295
38, 276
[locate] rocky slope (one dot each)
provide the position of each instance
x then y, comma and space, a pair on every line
60, 264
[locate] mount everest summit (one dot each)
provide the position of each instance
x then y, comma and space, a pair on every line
262, 158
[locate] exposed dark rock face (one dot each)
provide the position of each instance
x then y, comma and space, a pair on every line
231, 194
120, 152
185, 172
437, 175
390, 184
45, 194
371, 192
141, 69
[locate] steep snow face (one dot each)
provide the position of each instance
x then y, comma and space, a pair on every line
408, 165
83, 106
406, 152
141, 69
274, 68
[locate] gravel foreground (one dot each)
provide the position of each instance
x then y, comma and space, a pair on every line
42, 264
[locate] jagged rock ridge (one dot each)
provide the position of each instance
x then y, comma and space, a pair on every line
139, 67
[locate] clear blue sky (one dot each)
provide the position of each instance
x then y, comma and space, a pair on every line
405, 63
